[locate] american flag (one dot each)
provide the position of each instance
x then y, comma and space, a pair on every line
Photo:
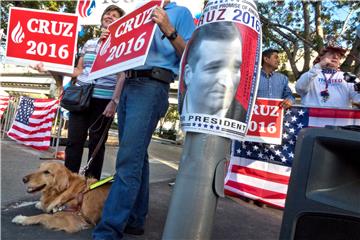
33, 122
261, 171
4, 102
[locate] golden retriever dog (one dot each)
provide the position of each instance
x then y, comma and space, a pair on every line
65, 197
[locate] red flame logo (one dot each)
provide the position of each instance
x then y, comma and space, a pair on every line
17, 35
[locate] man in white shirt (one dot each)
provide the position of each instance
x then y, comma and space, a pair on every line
324, 84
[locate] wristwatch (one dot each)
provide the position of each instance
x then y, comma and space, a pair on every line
172, 36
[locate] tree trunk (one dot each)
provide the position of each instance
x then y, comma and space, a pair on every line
353, 56
318, 27
307, 49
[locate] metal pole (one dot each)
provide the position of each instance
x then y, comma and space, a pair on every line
3, 121
15, 105
12, 107
199, 183
6, 116
53, 129
200, 179
58, 132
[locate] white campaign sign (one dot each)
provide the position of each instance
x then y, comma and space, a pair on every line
90, 11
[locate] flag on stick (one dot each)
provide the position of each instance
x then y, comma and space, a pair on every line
33, 122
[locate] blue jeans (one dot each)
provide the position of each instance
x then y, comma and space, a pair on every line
143, 102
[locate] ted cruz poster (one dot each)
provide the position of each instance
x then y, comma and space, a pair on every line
41, 36
128, 43
220, 70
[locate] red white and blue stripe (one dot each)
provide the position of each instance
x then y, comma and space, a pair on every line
85, 7
262, 171
4, 102
33, 122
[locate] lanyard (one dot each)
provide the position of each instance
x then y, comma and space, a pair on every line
328, 80
325, 93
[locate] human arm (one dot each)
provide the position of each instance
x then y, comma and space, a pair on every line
355, 95
77, 70
286, 103
160, 17
111, 106
287, 95
302, 86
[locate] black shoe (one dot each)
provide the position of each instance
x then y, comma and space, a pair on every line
245, 199
260, 204
134, 231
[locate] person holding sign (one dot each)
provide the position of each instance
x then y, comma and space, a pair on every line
144, 100
274, 84
213, 64
105, 98
324, 85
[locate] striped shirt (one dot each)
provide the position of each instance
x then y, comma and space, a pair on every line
274, 86
104, 86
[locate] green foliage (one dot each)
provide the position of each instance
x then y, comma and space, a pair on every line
171, 116
284, 24
90, 32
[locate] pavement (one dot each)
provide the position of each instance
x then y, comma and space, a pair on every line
234, 219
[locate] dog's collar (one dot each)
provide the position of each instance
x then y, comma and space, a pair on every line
79, 197
66, 208
76, 209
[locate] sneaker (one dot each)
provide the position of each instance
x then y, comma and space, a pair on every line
133, 230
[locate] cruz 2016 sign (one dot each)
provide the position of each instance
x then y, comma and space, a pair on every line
128, 44
265, 125
41, 36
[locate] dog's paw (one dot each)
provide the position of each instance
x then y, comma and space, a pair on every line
50, 209
38, 205
19, 219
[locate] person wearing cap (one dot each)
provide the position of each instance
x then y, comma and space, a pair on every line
143, 101
324, 84
104, 99
274, 84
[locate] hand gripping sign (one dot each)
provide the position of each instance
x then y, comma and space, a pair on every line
220, 70
90, 11
128, 44
41, 36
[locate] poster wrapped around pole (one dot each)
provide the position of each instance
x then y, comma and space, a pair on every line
218, 84
220, 70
